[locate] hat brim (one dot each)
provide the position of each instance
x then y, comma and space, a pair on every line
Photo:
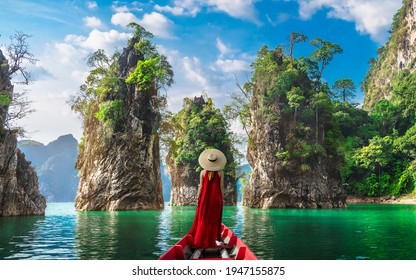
217, 165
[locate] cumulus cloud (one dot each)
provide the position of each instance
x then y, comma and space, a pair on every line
226, 61
108, 40
65, 52
158, 24
154, 22
92, 5
370, 16
177, 11
92, 22
123, 19
120, 9
241, 9
50, 93
232, 65
193, 71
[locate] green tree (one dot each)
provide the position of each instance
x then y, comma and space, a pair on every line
322, 106
15, 105
296, 99
104, 92
198, 126
344, 89
295, 38
324, 54
239, 108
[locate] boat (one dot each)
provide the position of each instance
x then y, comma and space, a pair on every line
231, 248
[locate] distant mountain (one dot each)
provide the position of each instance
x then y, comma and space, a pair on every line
54, 163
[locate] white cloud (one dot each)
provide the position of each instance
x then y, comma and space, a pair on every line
241, 9
280, 18
193, 71
154, 22
232, 65
92, 5
66, 52
108, 41
222, 47
123, 19
370, 16
92, 22
158, 24
177, 11
50, 94
120, 9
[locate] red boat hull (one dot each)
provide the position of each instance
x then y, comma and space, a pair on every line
233, 249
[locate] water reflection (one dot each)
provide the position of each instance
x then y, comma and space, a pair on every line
117, 235
359, 232
258, 232
39, 237
15, 233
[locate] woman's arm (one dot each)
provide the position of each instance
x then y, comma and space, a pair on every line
201, 178
221, 173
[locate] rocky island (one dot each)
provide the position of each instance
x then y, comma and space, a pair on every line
198, 126
119, 158
292, 137
19, 192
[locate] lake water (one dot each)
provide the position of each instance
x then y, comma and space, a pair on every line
386, 232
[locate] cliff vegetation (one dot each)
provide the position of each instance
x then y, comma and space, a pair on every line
198, 126
294, 140
121, 103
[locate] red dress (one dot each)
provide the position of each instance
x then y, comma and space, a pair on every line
206, 228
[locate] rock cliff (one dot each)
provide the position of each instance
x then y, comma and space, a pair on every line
120, 167
292, 141
398, 54
202, 126
19, 194
274, 184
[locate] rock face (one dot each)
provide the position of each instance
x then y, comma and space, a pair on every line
122, 172
6, 89
398, 54
185, 175
275, 183
19, 194
185, 182
293, 138
54, 163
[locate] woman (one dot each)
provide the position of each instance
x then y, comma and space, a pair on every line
206, 228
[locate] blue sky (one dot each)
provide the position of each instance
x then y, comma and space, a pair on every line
208, 43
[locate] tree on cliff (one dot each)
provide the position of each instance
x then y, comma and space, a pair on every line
19, 192
380, 147
199, 126
105, 87
14, 105
324, 54
344, 89
293, 133
120, 104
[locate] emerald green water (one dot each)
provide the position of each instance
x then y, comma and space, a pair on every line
385, 232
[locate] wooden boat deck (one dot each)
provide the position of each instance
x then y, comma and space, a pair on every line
232, 249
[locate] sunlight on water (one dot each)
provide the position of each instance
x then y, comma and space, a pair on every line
358, 232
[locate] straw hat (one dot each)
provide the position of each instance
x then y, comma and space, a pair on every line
212, 160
